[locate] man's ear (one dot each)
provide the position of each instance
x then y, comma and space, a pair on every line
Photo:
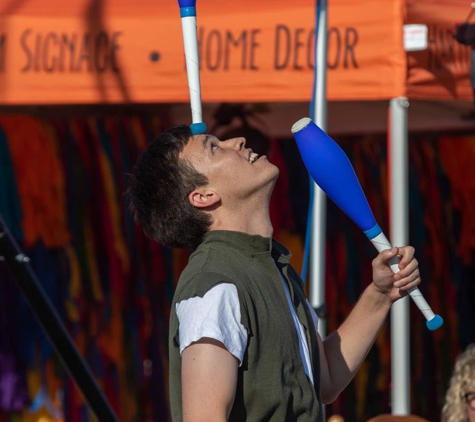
203, 198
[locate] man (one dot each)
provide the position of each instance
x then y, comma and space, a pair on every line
243, 338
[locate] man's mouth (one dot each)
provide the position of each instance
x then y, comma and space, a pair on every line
253, 157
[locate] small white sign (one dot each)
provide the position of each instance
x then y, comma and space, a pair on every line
415, 37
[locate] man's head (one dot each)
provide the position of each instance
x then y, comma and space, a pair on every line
159, 188
181, 181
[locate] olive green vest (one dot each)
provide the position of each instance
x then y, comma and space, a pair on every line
272, 384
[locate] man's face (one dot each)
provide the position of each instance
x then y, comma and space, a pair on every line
232, 170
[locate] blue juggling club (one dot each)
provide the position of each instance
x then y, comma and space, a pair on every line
332, 171
190, 41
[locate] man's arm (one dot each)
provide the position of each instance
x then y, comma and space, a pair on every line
342, 353
208, 379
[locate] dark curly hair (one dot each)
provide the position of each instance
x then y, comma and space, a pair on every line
158, 192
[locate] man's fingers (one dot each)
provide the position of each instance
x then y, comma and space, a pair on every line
383, 257
406, 254
411, 280
410, 285
408, 269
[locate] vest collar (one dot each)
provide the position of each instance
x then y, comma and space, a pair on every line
248, 244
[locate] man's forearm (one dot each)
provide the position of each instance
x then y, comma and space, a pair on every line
346, 348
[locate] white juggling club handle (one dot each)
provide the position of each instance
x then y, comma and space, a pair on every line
190, 41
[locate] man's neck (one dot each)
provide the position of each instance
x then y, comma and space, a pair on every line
249, 220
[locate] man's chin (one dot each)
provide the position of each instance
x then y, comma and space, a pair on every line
274, 177
277, 171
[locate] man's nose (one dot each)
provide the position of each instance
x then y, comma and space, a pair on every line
237, 143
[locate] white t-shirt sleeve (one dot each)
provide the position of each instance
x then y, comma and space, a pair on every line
216, 315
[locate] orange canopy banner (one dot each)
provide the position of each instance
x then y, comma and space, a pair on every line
114, 51
442, 70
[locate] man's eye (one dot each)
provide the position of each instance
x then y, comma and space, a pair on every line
214, 147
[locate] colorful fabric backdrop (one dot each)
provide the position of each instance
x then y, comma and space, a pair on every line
62, 195
62, 182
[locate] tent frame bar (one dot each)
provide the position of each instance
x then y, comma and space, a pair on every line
318, 230
18, 264
399, 236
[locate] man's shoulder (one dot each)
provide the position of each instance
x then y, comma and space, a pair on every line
206, 267
210, 259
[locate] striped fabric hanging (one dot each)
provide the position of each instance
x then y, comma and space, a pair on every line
62, 182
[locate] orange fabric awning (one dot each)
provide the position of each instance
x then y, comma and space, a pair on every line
442, 70
93, 51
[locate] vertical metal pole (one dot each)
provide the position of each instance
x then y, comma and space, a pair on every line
317, 259
399, 229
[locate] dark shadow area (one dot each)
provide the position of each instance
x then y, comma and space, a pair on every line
95, 24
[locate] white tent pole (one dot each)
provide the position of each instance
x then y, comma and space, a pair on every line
317, 258
399, 229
